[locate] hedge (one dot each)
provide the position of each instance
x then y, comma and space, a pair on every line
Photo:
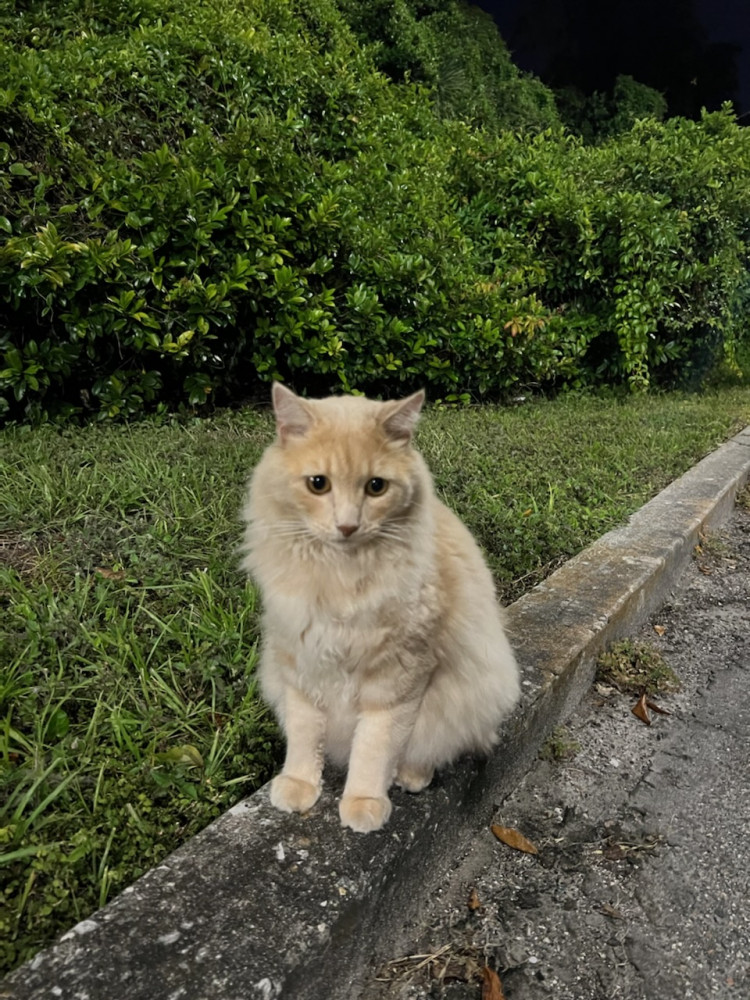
196, 197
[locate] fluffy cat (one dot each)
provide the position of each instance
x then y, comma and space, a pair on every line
383, 641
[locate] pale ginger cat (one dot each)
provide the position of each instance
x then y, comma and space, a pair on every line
383, 642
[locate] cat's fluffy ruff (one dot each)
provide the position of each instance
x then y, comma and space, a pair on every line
383, 641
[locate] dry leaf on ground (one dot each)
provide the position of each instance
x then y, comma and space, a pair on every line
641, 711
492, 988
641, 707
656, 708
660, 629
474, 901
110, 574
513, 839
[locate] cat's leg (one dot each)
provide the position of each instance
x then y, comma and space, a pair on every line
298, 786
379, 739
414, 778
415, 771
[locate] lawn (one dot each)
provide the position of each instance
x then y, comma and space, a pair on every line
128, 712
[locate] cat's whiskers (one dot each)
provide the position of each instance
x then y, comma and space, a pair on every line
291, 530
307, 536
396, 532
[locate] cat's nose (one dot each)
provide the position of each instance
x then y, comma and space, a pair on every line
347, 529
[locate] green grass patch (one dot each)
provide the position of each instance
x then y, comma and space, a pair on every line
560, 745
634, 667
128, 712
538, 482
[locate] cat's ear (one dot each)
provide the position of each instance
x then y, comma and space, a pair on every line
293, 417
401, 417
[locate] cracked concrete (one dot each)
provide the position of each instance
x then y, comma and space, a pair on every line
641, 885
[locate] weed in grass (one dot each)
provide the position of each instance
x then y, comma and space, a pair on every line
710, 551
711, 545
16, 553
560, 745
633, 667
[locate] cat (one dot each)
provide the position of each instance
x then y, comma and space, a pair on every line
383, 646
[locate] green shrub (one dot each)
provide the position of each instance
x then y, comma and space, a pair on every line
637, 246
183, 268
201, 196
187, 213
455, 49
599, 116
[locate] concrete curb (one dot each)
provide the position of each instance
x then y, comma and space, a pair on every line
263, 905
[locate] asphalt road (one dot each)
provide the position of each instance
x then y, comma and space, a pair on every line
641, 887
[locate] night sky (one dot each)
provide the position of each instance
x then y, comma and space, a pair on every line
696, 52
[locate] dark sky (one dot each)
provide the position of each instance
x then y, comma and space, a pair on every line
697, 52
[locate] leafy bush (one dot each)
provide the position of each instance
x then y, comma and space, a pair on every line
457, 50
598, 116
186, 212
637, 247
199, 196
133, 274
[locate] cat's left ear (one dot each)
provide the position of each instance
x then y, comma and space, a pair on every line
293, 417
401, 417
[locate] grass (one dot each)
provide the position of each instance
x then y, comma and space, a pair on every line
634, 667
128, 712
538, 482
560, 745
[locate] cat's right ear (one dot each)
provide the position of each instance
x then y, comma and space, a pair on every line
401, 417
293, 418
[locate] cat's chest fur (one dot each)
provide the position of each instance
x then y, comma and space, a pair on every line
350, 626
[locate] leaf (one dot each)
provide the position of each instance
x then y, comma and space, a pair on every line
110, 574
660, 629
656, 708
474, 902
24, 852
58, 725
492, 988
640, 710
611, 911
186, 754
513, 839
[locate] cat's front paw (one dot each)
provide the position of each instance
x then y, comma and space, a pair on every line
293, 794
364, 815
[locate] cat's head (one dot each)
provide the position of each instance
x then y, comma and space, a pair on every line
342, 471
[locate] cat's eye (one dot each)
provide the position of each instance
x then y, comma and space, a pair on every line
318, 484
376, 487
